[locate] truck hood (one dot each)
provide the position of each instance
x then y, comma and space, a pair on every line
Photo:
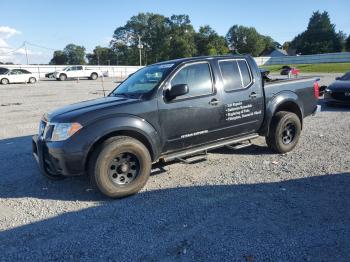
73, 111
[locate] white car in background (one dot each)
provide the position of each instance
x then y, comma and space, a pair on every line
77, 72
17, 75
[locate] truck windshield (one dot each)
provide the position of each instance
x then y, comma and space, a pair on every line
143, 81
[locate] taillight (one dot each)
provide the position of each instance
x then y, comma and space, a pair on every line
316, 90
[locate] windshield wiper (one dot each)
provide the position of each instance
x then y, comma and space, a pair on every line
128, 95
121, 94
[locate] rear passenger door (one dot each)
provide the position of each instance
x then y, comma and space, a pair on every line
243, 102
26, 75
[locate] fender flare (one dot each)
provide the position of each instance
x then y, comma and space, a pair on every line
284, 98
121, 125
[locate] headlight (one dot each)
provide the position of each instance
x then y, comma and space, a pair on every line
328, 91
63, 131
42, 126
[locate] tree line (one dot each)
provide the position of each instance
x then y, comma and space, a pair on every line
163, 38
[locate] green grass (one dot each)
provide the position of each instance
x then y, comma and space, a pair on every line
314, 68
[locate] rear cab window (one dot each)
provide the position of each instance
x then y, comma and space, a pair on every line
236, 74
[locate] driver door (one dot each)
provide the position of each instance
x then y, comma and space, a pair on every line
71, 71
190, 119
16, 76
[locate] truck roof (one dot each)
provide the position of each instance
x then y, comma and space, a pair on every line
201, 58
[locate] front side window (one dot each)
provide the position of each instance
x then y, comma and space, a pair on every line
79, 68
197, 77
16, 72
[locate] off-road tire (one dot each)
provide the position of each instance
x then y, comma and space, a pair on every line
99, 166
276, 139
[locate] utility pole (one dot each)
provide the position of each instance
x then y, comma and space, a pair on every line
25, 48
140, 46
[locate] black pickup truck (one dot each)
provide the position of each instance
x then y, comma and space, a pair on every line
167, 111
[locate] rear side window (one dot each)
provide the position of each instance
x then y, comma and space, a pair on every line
197, 77
235, 74
246, 77
231, 76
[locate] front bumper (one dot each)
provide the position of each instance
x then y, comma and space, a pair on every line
334, 102
330, 100
53, 159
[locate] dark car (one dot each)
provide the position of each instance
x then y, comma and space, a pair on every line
50, 75
285, 70
338, 93
170, 111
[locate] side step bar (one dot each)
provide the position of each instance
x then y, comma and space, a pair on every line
197, 150
240, 146
194, 158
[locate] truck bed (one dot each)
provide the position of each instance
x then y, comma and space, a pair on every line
273, 81
302, 87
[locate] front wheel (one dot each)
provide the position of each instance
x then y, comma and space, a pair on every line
121, 167
284, 132
4, 81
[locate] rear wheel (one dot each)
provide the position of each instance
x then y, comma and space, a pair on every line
93, 76
32, 80
62, 77
120, 167
284, 132
4, 81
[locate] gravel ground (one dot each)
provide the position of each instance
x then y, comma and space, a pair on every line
245, 205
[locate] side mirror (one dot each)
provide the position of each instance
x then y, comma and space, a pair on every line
337, 78
176, 90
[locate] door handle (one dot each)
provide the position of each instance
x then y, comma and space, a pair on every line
214, 102
253, 95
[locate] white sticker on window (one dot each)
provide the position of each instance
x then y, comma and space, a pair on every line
166, 66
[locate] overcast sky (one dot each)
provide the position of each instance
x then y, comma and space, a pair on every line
54, 24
